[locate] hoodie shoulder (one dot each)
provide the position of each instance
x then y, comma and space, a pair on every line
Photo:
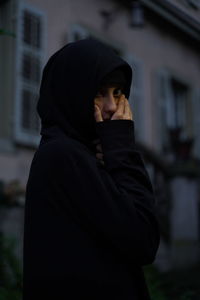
61, 150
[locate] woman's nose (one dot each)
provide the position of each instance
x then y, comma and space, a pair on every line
110, 104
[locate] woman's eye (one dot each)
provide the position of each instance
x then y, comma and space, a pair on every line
117, 92
101, 93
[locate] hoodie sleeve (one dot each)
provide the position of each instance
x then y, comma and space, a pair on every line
125, 166
115, 201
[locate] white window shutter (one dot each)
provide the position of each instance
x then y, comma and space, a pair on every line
136, 98
29, 62
196, 124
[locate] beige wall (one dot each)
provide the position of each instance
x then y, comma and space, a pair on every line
155, 48
15, 166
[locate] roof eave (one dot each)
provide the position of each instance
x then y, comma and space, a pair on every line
175, 16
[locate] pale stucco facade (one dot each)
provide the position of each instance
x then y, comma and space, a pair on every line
164, 54
149, 49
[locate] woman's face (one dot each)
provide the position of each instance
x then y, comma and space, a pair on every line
107, 100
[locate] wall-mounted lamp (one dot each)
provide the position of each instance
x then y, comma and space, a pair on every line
108, 17
137, 14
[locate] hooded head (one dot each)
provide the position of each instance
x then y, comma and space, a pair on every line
70, 82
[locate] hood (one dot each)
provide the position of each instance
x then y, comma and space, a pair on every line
70, 81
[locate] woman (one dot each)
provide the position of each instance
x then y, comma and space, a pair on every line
90, 224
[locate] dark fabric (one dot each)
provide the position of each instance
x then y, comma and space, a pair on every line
116, 77
70, 82
89, 228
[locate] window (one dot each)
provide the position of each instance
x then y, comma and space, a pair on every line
176, 110
30, 52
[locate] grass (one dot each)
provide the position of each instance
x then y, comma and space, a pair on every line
10, 271
174, 285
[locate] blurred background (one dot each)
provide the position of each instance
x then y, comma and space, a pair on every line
161, 41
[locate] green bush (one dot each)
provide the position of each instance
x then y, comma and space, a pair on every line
154, 283
10, 271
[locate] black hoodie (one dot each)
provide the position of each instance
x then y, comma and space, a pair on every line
89, 228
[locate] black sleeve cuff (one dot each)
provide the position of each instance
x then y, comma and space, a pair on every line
116, 134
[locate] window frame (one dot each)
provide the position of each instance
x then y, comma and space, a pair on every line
166, 75
22, 136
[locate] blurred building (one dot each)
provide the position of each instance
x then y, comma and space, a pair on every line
161, 41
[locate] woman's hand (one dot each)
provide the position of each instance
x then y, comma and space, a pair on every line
99, 152
123, 111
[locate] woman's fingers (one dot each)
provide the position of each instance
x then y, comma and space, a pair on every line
127, 111
97, 114
123, 111
99, 156
119, 114
99, 148
99, 153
